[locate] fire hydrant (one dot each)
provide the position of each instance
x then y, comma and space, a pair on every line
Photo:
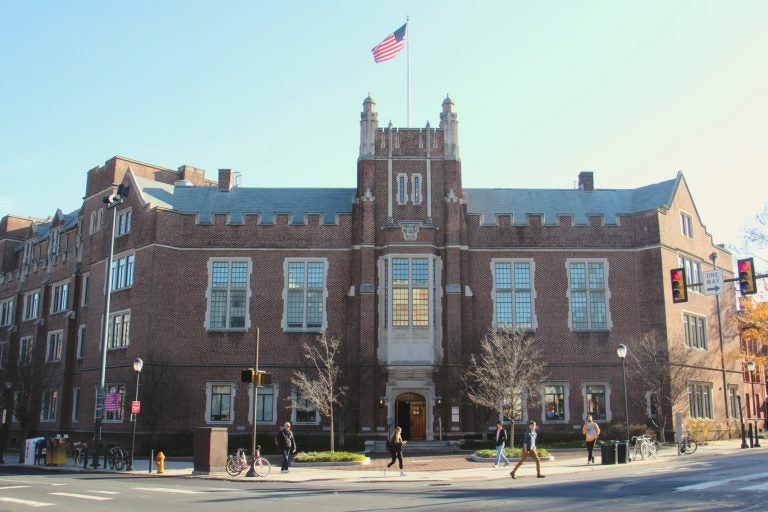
160, 461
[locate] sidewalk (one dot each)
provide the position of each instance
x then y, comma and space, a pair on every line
420, 467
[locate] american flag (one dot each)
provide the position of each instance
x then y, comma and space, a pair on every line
390, 46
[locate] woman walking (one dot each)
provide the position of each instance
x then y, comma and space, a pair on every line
395, 446
591, 432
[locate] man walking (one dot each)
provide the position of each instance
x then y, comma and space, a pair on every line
529, 450
287, 444
501, 443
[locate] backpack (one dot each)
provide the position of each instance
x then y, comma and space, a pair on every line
277, 439
389, 444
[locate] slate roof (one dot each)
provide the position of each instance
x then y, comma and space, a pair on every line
207, 201
578, 203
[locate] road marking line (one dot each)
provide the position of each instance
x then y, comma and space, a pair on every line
14, 481
14, 487
103, 492
166, 489
715, 483
58, 485
24, 502
757, 487
80, 496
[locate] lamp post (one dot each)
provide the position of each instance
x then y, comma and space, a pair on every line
751, 368
741, 421
621, 351
5, 419
111, 201
138, 364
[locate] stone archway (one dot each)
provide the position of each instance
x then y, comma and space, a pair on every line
410, 415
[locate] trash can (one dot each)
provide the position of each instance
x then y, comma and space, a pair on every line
622, 451
608, 453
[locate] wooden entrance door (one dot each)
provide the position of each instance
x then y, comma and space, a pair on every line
411, 411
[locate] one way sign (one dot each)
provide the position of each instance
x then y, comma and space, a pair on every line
713, 282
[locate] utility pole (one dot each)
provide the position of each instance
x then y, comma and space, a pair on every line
251, 472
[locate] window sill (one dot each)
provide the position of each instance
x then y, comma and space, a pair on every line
224, 329
215, 422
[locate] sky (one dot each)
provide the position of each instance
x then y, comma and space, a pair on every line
633, 91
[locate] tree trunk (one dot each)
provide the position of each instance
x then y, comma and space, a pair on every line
332, 434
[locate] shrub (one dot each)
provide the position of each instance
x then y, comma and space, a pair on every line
329, 457
509, 452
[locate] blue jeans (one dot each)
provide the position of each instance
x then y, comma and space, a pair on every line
500, 454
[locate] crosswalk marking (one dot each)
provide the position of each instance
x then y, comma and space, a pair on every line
4, 499
167, 489
103, 492
7, 487
715, 483
756, 487
80, 496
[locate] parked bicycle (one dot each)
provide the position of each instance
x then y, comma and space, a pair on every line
686, 445
79, 454
645, 446
240, 461
117, 458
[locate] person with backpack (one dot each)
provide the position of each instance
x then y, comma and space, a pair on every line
285, 441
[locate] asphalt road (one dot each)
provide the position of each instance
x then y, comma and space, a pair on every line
730, 482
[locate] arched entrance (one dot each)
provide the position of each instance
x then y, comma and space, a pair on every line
410, 415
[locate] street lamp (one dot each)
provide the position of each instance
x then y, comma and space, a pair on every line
621, 351
751, 368
138, 364
111, 201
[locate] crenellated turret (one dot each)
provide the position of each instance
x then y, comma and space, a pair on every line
369, 123
450, 127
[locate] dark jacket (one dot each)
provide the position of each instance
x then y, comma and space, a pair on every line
285, 440
396, 446
502, 437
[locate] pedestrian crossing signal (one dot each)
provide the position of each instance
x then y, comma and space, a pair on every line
679, 285
746, 269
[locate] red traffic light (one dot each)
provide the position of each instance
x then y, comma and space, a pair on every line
679, 285
746, 268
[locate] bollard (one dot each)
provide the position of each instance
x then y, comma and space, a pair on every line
151, 458
160, 460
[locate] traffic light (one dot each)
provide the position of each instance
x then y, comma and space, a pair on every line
679, 285
247, 375
263, 379
746, 276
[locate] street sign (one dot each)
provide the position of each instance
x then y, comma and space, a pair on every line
135, 407
713, 282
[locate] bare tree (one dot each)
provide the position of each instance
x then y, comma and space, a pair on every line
321, 392
28, 383
758, 232
508, 365
663, 369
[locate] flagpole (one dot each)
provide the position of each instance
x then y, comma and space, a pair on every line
408, 73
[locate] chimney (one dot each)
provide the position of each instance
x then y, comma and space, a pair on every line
225, 180
586, 181
191, 174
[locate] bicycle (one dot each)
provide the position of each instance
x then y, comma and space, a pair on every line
686, 445
116, 458
80, 454
238, 461
645, 446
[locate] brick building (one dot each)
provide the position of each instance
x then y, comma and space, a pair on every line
408, 268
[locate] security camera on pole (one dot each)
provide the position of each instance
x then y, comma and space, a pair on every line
111, 201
